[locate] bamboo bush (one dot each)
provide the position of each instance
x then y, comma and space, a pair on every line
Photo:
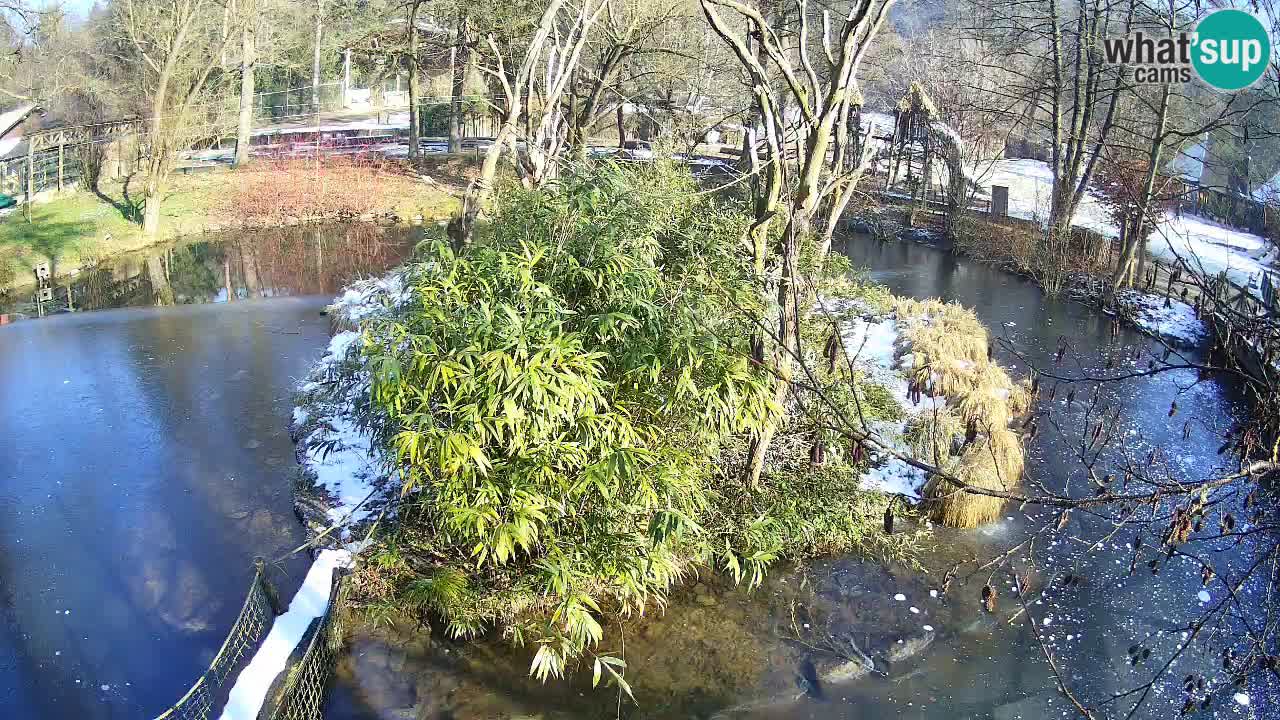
566, 402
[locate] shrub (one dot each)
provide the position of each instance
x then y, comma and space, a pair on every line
557, 397
270, 191
567, 400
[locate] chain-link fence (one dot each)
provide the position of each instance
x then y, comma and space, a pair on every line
260, 608
302, 697
297, 102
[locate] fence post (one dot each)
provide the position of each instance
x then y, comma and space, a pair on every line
31, 177
61, 157
267, 587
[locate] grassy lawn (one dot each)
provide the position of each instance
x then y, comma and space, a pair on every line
79, 228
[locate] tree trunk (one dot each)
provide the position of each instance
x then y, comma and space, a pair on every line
152, 194
462, 226
462, 57
315, 56
244, 124
622, 128
414, 127
1134, 246
161, 291
157, 155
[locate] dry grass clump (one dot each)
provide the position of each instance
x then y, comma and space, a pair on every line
959, 508
950, 350
931, 435
986, 408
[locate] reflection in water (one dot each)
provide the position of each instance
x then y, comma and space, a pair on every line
298, 260
144, 462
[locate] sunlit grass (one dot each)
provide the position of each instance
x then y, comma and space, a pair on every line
82, 227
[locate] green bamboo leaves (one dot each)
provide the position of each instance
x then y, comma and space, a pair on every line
557, 397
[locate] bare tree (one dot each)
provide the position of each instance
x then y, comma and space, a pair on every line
415, 89
1056, 80
176, 46
539, 66
249, 19
829, 158
460, 62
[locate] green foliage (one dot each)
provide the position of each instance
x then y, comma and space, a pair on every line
568, 401
557, 399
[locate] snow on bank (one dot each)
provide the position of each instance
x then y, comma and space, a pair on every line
335, 452
1171, 320
367, 298
344, 465
872, 347
1206, 246
310, 602
1167, 318
1209, 249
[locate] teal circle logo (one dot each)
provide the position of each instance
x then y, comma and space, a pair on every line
1232, 49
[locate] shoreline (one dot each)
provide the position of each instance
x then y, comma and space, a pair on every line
192, 210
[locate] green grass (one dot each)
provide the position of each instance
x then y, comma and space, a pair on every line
79, 228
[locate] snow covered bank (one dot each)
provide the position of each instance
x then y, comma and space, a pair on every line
872, 348
1167, 318
1209, 249
1171, 320
310, 602
346, 480
1205, 245
954, 405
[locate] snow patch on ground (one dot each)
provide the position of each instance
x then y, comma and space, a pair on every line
1206, 246
334, 450
1209, 249
872, 346
310, 602
1167, 318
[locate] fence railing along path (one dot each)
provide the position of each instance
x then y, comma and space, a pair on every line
301, 696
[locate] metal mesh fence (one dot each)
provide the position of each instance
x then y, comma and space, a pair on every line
45, 168
304, 689
252, 624
297, 102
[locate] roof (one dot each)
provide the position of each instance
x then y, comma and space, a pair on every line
10, 121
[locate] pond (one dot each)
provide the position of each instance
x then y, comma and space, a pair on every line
719, 651
145, 461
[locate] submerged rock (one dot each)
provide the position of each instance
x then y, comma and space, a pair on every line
846, 671
909, 647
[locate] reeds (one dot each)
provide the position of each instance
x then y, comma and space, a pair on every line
951, 357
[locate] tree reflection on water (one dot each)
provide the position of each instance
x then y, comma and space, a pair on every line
239, 265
